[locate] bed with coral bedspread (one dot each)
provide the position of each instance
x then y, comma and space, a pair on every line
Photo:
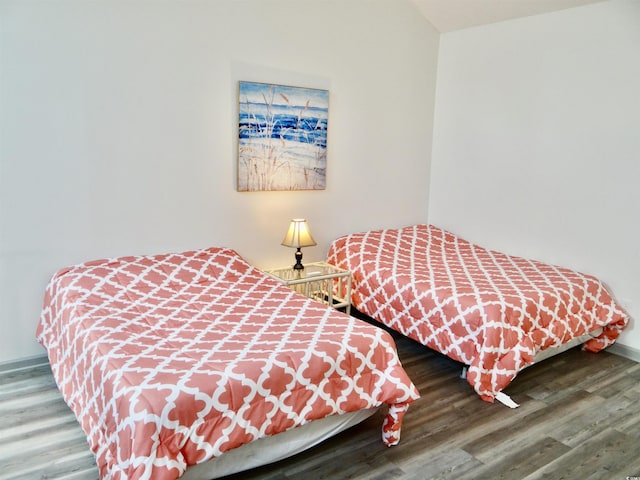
491, 311
170, 360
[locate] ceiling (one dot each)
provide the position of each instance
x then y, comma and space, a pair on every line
449, 15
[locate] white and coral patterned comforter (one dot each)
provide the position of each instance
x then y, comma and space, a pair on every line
488, 310
170, 360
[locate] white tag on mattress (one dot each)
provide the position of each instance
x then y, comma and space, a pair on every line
505, 399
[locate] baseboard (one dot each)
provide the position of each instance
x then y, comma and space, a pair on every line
28, 362
624, 351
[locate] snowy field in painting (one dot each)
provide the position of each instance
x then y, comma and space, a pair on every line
282, 137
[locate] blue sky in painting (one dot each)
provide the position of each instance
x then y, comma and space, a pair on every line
264, 112
298, 96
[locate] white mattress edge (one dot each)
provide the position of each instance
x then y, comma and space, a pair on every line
550, 352
276, 447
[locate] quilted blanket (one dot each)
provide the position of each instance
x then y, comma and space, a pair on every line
488, 310
173, 359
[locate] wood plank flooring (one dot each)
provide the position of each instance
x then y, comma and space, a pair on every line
579, 418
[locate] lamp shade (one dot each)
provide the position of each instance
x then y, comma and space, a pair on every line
298, 235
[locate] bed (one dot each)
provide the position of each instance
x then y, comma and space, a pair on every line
170, 362
494, 313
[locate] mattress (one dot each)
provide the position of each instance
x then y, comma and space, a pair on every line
171, 360
276, 447
491, 311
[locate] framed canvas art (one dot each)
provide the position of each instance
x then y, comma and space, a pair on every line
282, 137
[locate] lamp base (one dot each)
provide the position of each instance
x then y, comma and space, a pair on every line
298, 265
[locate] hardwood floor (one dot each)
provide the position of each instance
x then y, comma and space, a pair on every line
579, 418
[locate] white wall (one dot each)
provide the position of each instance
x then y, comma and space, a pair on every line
537, 142
118, 125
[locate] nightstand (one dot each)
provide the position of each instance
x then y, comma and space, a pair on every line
321, 281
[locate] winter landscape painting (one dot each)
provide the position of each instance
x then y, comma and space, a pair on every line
282, 137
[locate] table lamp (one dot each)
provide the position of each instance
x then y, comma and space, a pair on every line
298, 236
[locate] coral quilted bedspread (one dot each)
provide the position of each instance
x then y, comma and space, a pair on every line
488, 310
170, 360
